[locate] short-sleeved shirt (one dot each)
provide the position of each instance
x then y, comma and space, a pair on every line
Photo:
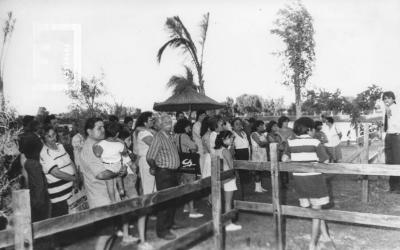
241, 141
332, 135
164, 151
213, 136
59, 190
304, 148
112, 151
196, 136
142, 147
91, 166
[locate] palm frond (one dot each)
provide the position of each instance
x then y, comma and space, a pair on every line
174, 43
181, 83
173, 27
189, 75
204, 28
186, 33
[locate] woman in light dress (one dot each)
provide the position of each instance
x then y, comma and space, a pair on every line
143, 137
259, 152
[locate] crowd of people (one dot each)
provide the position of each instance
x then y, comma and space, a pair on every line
112, 160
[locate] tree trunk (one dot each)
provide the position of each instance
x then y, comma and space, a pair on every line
2, 99
201, 86
298, 100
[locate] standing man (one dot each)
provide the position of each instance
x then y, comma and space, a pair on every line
163, 159
30, 146
391, 126
93, 169
334, 137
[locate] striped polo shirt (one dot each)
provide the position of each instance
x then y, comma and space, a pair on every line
59, 190
164, 151
304, 148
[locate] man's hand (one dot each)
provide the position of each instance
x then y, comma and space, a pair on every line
152, 171
285, 158
123, 171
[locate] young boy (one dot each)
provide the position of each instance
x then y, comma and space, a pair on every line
311, 188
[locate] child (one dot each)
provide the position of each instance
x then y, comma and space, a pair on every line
310, 187
318, 132
259, 151
222, 143
113, 153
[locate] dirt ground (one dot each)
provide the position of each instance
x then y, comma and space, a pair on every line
257, 228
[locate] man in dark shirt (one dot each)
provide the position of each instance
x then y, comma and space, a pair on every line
30, 146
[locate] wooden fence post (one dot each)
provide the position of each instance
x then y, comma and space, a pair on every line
276, 203
216, 202
22, 220
365, 158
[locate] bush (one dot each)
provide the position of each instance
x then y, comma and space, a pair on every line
9, 130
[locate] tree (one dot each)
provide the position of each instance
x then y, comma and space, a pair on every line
229, 109
273, 106
8, 29
181, 38
249, 104
42, 114
182, 83
295, 26
87, 94
121, 111
366, 100
321, 100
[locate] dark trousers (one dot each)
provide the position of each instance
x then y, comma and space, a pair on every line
165, 178
241, 154
40, 202
59, 208
392, 154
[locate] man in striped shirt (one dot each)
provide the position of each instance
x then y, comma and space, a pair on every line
163, 159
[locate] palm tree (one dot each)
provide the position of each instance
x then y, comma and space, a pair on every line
7, 31
181, 38
180, 84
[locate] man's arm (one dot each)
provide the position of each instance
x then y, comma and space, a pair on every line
152, 154
106, 175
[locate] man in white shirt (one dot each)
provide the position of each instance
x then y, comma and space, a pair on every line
391, 126
333, 145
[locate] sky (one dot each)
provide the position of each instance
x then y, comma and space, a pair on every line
357, 44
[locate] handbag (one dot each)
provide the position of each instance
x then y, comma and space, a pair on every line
189, 162
78, 201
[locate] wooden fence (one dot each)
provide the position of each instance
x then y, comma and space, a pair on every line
24, 232
278, 210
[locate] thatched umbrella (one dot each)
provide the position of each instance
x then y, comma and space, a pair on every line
187, 100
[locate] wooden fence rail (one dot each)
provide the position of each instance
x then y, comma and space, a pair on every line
137, 206
364, 169
381, 220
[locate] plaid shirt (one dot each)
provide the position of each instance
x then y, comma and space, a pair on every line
163, 150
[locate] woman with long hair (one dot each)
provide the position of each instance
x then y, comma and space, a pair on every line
223, 142
183, 129
143, 137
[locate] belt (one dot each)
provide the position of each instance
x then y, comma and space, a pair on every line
109, 163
